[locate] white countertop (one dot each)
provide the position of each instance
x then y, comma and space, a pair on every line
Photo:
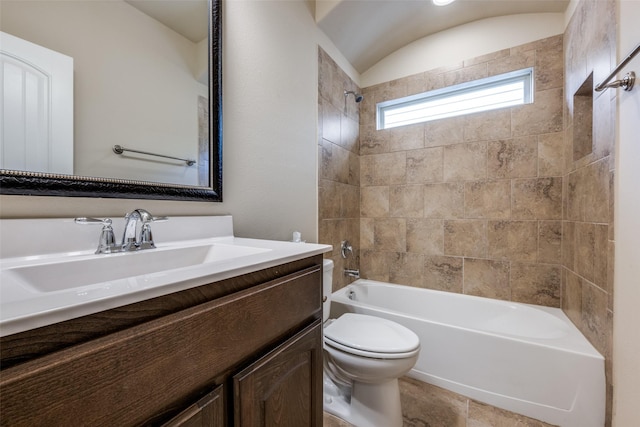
23, 307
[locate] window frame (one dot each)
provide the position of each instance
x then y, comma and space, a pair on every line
525, 75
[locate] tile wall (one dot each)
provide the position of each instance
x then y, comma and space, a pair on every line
338, 166
589, 171
471, 204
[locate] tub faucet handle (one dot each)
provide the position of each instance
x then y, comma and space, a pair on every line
345, 248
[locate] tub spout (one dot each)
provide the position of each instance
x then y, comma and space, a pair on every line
352, 273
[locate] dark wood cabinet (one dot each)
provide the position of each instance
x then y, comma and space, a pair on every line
214, 363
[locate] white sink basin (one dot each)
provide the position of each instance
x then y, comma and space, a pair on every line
69, 273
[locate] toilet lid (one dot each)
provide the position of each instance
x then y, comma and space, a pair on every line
372, 334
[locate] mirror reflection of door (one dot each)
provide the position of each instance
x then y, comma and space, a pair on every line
36, 107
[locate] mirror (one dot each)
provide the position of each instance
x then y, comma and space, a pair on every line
161, 103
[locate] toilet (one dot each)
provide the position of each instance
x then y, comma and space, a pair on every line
363, 358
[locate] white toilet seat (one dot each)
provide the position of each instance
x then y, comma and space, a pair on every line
372, 337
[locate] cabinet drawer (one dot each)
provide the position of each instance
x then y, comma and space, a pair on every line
130, 377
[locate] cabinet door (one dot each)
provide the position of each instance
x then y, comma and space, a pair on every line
206, 412
283, 388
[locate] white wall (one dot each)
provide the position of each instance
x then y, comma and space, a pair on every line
269, 124
465, 41
118, 51
626, 304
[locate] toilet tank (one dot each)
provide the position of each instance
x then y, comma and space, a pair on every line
327, 282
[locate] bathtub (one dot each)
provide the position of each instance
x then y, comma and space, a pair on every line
523, 358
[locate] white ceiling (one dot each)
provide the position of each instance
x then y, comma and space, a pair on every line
366, 31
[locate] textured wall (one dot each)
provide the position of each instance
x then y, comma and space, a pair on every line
587, 244
471, 204
338, 165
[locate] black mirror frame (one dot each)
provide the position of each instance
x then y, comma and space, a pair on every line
43, 184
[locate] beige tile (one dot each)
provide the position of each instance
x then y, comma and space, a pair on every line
466, 74
611, 272
487, 58
487, 278
406, 201
487, 199
550, 64
374, 202
483, 415
372, 141
331, 119
427, 405
550, 154
390, 234
328, 200
594, 316
444, 201
406, 268
550, 242
585, 250
464, 162
489, 125
404, 138
515, 61
536, 283
513, 158
537, 198
374, 265
443, 273
572, 297
366, 234
543, 116
444, 132
465, 238
383, 169
349, 133
512, 240
568, 244
424, 166
425, 236
601, 255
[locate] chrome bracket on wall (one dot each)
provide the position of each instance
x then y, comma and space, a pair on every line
627, 81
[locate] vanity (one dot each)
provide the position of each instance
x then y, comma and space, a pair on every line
230, 335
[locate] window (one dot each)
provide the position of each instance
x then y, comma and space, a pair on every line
504, 90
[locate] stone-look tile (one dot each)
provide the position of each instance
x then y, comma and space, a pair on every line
611, 204
328, 200
406, 268
373, 141
568, 244
374, 202
333, 421
513, 62
487, 58
374, 265
594, 316
550, 64
543, 116
550, 154
331, 232
536, 283
512, 240
390, 234
350, 200
366, 234
444, 201
537, 198
488, 125
349, 134
610, 272
383, 169
465, 238
513, 158
406, 137
466, 74
444, 132
601, 255
427, 405
572, 297
603, 126
550, 242
483, 415
443, 273
331, 120
425, 236
585, 250
424, 166
487, 278
588, 193
406, 201
487, 199
465, 162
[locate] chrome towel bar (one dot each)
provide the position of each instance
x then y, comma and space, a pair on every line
118, 149
627, 81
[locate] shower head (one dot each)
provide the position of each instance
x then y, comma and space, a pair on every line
357, 96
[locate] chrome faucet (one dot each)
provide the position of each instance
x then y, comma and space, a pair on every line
352, 273
137, 232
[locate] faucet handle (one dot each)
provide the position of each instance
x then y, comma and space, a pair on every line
107, 241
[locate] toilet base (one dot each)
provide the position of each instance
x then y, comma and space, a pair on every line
368, 405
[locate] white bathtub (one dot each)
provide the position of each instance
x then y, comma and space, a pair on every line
523, 358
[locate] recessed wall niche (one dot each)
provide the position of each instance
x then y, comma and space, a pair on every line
583, 119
